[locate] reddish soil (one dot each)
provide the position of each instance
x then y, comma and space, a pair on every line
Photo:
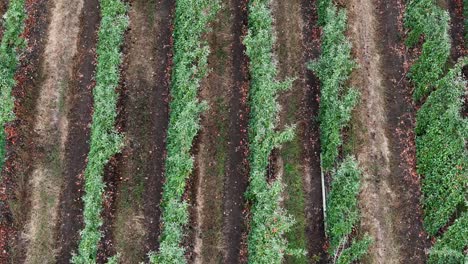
236, 170
143, 118
311, 135
77, 147
20, 148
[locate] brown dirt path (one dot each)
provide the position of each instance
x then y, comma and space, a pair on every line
4, 210
236, 175
457, 29
143, 118
79, 104
311, 138
383, 126
457, 32
7, 231
219, 134
20, 147
51, 127
3, 8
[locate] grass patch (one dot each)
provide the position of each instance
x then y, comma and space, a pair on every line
295, 202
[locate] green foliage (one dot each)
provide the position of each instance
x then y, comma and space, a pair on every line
190, 66
441, 131
323, 7
105, 142
333, 69
10, 45
336, 104
269, 223
113, 259
424, 17
465, 15
442, 158
355, 251
450, 248
343, 213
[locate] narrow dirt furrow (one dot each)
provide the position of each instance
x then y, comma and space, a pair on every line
3, 8
20, 134
4, 210
457, 29
383, 126
51, 126
106, 247
236, 174
311, 137
215, 139
457, 33
401, 119
143, 118
79, 104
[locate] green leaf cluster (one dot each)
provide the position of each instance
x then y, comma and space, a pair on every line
10, 46
441, 134
449, 249
269, 222
323, 7
441, 131
465, 15
105, 141
343, 214
190, 66
425, 17
333, 69
336, 104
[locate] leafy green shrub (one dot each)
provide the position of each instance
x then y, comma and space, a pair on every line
190, 66
333, 69
323, 7
105, 142
441, 131
424, 17
336, 104
12, 41
343, 214
441, 134
449, 249
269, 221
465, 14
